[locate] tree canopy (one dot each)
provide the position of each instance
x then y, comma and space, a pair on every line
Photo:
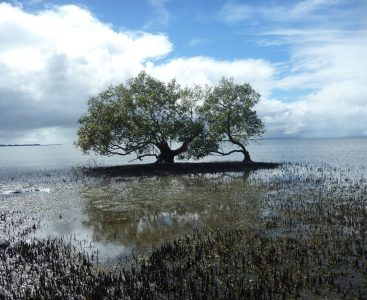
148, 117
229, 112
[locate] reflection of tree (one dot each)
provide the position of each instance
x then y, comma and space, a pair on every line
146, 211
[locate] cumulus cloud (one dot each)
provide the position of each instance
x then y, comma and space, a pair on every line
53, 60
332, 67
208, 71
326, 70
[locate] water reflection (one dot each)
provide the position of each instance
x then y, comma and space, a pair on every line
140, 213
114, 216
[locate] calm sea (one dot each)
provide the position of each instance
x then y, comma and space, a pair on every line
17, 161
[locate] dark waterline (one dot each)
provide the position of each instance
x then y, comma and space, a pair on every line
18, 161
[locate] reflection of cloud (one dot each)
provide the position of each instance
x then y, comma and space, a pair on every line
154, 209
151, 222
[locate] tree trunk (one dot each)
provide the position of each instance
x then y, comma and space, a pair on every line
166, 155
246, 155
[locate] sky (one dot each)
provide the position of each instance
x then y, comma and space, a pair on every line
307, 59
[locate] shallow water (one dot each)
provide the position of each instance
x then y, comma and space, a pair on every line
120, 216
25, 161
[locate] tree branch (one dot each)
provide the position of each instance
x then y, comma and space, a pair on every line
228, 153
128, 150
185, 144
139, 157
109, 152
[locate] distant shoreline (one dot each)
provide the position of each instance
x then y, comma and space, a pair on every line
29, 145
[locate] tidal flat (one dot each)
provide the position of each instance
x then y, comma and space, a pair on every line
298, 231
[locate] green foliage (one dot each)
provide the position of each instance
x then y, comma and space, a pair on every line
145, 117
148, 117
230, 116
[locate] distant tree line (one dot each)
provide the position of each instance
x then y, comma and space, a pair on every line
148, 117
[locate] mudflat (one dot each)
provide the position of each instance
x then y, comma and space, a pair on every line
155, 169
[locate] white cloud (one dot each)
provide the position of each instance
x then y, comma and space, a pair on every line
309, 6
53, 60
233, 13
196, 41
336, 110
293, 11
329, 73
205, 70
163, 15
334, 69
72, 31
326, 72
158, 3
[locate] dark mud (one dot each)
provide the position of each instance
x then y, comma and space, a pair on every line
309, 242
155, 169
228, 264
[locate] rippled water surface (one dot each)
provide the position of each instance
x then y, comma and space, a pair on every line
42, 188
